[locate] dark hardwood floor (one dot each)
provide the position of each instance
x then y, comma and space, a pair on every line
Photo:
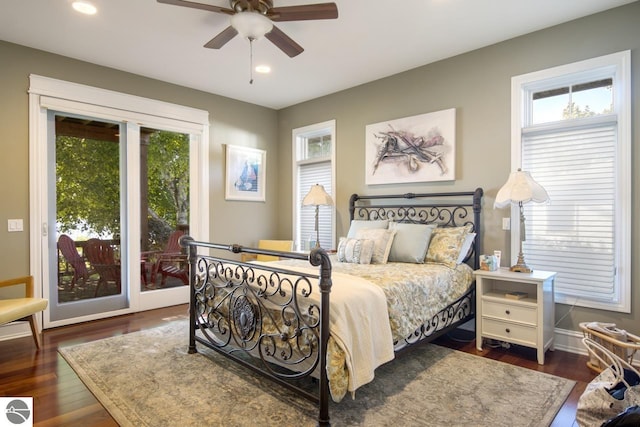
61, 399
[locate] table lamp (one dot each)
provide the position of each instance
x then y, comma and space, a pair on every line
317, 197
519, 189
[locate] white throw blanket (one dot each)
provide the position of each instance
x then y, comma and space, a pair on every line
359, 322
360, 325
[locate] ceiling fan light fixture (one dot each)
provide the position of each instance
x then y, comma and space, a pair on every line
251, 25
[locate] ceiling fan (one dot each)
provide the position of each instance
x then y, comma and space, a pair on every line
254, 18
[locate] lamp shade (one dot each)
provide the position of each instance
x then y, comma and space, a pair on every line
520, 188
251, 25
317, 196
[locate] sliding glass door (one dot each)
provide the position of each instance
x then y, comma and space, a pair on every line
114, 179
94, 266
86, 258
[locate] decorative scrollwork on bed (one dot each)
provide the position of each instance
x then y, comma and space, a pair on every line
449, 217
261, 311
458, 312
275, 320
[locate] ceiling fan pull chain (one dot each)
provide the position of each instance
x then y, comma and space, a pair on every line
250, 60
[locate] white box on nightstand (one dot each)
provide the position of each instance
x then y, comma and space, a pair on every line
516, 307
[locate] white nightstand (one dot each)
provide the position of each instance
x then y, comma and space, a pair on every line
528, 321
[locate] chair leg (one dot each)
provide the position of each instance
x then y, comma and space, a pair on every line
98, 283
185, 278
33, 322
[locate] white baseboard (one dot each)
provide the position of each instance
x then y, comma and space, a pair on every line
14, 330
570, 341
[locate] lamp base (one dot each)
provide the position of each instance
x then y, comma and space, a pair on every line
521, 269
521, 266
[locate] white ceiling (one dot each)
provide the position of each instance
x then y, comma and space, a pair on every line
370, 39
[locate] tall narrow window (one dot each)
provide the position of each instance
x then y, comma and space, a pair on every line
571, 131
314, 148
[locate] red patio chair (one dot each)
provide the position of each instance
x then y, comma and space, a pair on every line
100, 255
67, 247
171, 262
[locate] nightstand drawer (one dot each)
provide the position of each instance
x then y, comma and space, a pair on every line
506, 311
511, 332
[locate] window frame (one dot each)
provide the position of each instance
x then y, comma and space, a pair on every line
310, 131
618, 65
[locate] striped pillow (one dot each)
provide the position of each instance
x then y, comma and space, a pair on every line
356, 251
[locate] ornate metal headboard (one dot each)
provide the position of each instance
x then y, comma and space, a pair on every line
445, 209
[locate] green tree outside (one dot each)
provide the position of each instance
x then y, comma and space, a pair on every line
88, 185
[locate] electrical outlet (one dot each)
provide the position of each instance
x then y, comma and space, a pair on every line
506, 223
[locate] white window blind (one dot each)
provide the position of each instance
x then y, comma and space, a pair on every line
579, 149
310, 174
574, 234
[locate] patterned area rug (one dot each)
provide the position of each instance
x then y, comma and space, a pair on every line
147, 378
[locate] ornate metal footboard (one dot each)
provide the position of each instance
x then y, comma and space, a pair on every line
271, 320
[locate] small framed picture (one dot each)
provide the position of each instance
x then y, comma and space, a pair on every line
245, 174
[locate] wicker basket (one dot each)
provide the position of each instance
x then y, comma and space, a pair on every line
624, 349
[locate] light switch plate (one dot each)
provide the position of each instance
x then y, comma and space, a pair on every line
506, 223
14, 225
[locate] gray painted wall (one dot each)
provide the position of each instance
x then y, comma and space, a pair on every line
230, 221
477, 84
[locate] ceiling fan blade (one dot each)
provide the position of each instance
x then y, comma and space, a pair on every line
284, 42
200, 6
304, 12
221, 39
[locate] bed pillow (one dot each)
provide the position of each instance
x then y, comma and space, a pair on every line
356, 251
410, 242
358, 224
382, 238
446, 244
466, 247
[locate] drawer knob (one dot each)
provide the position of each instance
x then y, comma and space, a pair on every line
507, 311
507, 330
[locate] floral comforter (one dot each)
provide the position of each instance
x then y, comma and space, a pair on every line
414, 293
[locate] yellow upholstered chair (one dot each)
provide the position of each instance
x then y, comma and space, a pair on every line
22, 308
274, 245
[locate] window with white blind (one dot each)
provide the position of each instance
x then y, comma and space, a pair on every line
571, 132
314, 159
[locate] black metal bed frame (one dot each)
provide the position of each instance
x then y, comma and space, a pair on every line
264, 317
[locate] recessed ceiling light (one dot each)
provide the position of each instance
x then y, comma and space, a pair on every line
84, 7
263, 69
